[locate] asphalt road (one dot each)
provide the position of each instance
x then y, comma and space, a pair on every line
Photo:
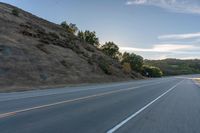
164, 105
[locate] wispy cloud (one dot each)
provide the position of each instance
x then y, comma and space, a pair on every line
164, 48
163, 51
181, 6
180, 36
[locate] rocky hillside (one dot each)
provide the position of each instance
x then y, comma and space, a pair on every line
38, 53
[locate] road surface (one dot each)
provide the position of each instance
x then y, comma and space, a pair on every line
163, 105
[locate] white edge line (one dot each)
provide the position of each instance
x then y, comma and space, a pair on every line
73, 100
142, 109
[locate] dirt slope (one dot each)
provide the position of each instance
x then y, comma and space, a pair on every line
36, 53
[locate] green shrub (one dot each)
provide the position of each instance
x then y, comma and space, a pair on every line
104, 65
69, 27
89, 37
151, 71
15, 12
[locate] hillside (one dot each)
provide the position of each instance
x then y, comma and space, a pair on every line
176, 66
38, 53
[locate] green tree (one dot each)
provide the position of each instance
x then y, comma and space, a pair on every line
136, 61
89, 37
110, 49
151, 71
81, 35
73, 28
69, 27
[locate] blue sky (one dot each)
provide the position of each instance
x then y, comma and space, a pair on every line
155, 29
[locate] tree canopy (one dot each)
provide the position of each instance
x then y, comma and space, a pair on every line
70, 27
136, 61
111, 49
176, 66
89, 37
151, 71
129, 61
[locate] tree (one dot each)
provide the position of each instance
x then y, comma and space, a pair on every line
110, 49
81, 35
64, 25
70, 27
136, 61
89, 37
73, 28
151, 71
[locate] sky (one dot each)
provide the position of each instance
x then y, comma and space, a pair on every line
154, 29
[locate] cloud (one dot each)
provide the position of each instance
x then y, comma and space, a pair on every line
180, 36
163, 51
136, 2
172, 47
163, 48
181, 6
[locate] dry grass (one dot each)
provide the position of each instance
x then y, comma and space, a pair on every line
33, 54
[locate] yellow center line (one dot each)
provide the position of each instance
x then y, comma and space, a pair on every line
73, 100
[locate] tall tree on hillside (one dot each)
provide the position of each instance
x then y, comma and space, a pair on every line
89, 37
70, 27
110, 49
136, 61
73, 28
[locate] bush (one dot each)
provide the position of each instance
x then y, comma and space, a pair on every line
104, 65
15, 12
151, 71
89, 37
69, 27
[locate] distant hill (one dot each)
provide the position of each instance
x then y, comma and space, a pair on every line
176, 66
38, 53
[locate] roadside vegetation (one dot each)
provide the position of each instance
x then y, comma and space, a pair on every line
130, 62
175, 66
151, 71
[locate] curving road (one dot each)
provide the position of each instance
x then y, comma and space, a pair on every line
163, 105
